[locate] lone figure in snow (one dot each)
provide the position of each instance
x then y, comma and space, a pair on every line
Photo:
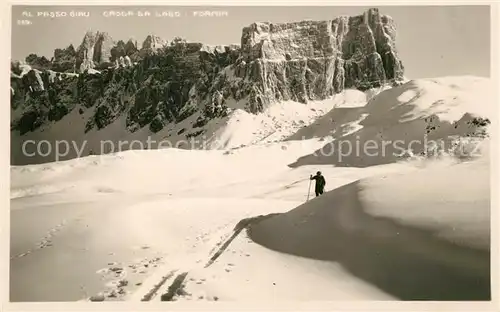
320, 183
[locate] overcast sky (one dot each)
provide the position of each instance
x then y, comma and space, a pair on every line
432, 41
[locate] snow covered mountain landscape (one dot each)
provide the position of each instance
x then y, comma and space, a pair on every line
226, 211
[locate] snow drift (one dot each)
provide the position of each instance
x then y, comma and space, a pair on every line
418, 236
281, 120
408, 235
403, 121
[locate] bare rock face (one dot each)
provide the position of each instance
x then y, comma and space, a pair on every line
130, 47
95, 51
38, 62
153, 42
85, 53
312, 60
64, 59
151, 45
125, 50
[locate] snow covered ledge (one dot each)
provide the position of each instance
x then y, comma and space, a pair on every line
423, 235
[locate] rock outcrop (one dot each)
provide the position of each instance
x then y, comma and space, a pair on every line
95, 51
152, 44
311, 60
161, 83
38, 62
64, 60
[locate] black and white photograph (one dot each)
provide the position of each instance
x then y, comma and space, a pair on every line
250, 153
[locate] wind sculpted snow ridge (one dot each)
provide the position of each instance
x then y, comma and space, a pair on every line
404, 234
448, 111
418, 247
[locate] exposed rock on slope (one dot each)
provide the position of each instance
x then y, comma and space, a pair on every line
312, 60
64, 59
152, 44
123, 49
94, 50
162, 83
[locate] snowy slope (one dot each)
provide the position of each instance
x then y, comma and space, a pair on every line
184, 216
181, 204
407, 233
281, 120
418, 111
412, 234
240, 128
142, 224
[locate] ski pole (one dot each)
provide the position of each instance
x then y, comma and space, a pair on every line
309, 190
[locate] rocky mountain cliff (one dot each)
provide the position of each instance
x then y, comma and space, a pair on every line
163, 82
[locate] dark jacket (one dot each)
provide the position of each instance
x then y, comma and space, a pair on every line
320, 182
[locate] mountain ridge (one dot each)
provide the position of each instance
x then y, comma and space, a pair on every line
165, 83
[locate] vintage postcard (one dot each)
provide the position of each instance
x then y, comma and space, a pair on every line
251, 153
